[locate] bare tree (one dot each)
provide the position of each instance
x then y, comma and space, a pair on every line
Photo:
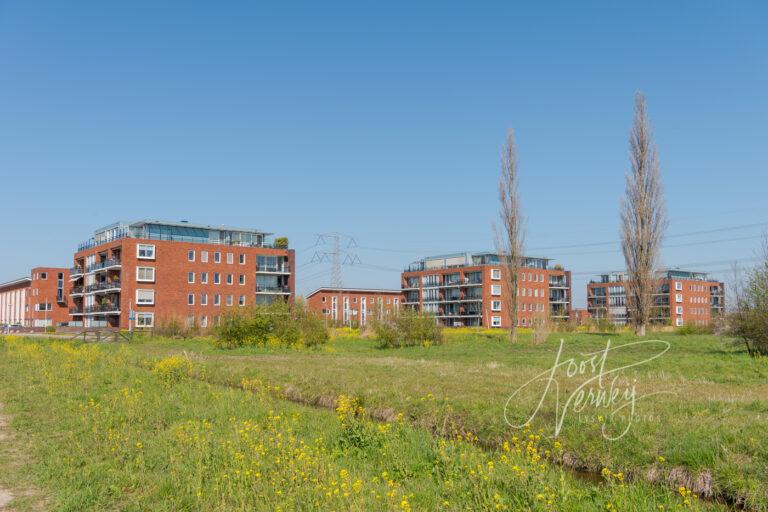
509, 236
643, 218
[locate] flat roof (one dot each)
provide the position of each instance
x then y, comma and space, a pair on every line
16, 282
181, 224
352, 290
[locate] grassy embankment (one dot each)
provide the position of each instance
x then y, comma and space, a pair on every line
129, 428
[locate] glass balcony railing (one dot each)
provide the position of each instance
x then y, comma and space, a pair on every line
107, 307
76, 290
105, 285
261, 288
102, 265
282, 269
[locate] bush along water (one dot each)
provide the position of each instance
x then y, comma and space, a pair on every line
276, 324
407, 328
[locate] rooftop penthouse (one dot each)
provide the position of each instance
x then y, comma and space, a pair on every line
620, 277
471, 259
182, 231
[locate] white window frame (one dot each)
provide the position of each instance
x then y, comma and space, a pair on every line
495, 305
230, 258
679, 322
217, 299
242, 258
203, 299
678, 297
190, 299
230, 279
141, 318
143, 247
679, 310
203, 277
140, 302
495, 321
216, 278
496, 274
204, 256
229, 300
678, 286
241, 301
496, 290
190, 277
191, 255
138, 277
217, 257
241, 280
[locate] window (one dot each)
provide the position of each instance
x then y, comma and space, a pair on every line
323, 298
145, 251
496, 274
229, 300
679, 310
204, 277
190, 299
241, 280
678, 286
145, 297
679, 322
216, 278
217, 257
190, 277
679, 297
145, 274
495, 305
203, 321
204, 256
203, 299
495, 321
241, 300
230, 279
190, 255
217, 299
43, 275
145, 319
496, 289
230, 258
389, 301
242, 259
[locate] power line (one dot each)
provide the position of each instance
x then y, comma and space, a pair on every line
334, 256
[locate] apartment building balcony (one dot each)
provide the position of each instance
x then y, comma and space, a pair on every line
76, 311
103, 287
273, 269
558, 283
76, 273
103, 309
76, 291
282, 290
105, 265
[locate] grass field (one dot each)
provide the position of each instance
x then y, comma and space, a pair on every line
177, 425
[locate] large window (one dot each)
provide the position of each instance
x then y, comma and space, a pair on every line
496, 289
191, 299
145, 274
145, 319
230, 258
495, 274
190, 277
145, 297
496, 305
145, 251
190, 255
495, 321
204, 256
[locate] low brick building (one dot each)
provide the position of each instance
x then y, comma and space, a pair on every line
354, 306
39, 300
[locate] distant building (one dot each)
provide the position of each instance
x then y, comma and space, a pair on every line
136, 275
681, 298
466, 289
354, 306
39, 300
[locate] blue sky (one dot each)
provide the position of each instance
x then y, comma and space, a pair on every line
382, 120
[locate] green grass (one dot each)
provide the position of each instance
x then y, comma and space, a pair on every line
119, 427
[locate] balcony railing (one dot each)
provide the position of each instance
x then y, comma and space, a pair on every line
111, 262
93, 243
75, 311
278, 269
76, 271
260, 288
105, 285
76, 290
102, 308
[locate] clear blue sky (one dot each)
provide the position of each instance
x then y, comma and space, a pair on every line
383, 120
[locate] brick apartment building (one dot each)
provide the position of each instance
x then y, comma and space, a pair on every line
466, 289
682, 298
354, 306
141, 274
39, 300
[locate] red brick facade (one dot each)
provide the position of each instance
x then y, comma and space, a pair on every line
681, 298
354, 306
49, 286
186, 281
476, 295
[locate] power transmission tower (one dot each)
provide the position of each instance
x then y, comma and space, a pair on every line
337, 256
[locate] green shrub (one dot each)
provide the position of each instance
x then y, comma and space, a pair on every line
276, 323
688, 330
407, 328
281, 242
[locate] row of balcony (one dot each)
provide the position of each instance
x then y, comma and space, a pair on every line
276, 269
105, 308
284, 289
96, 287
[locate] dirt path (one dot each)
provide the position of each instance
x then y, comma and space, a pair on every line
5, 495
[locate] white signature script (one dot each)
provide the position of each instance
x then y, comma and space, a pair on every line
602, 387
